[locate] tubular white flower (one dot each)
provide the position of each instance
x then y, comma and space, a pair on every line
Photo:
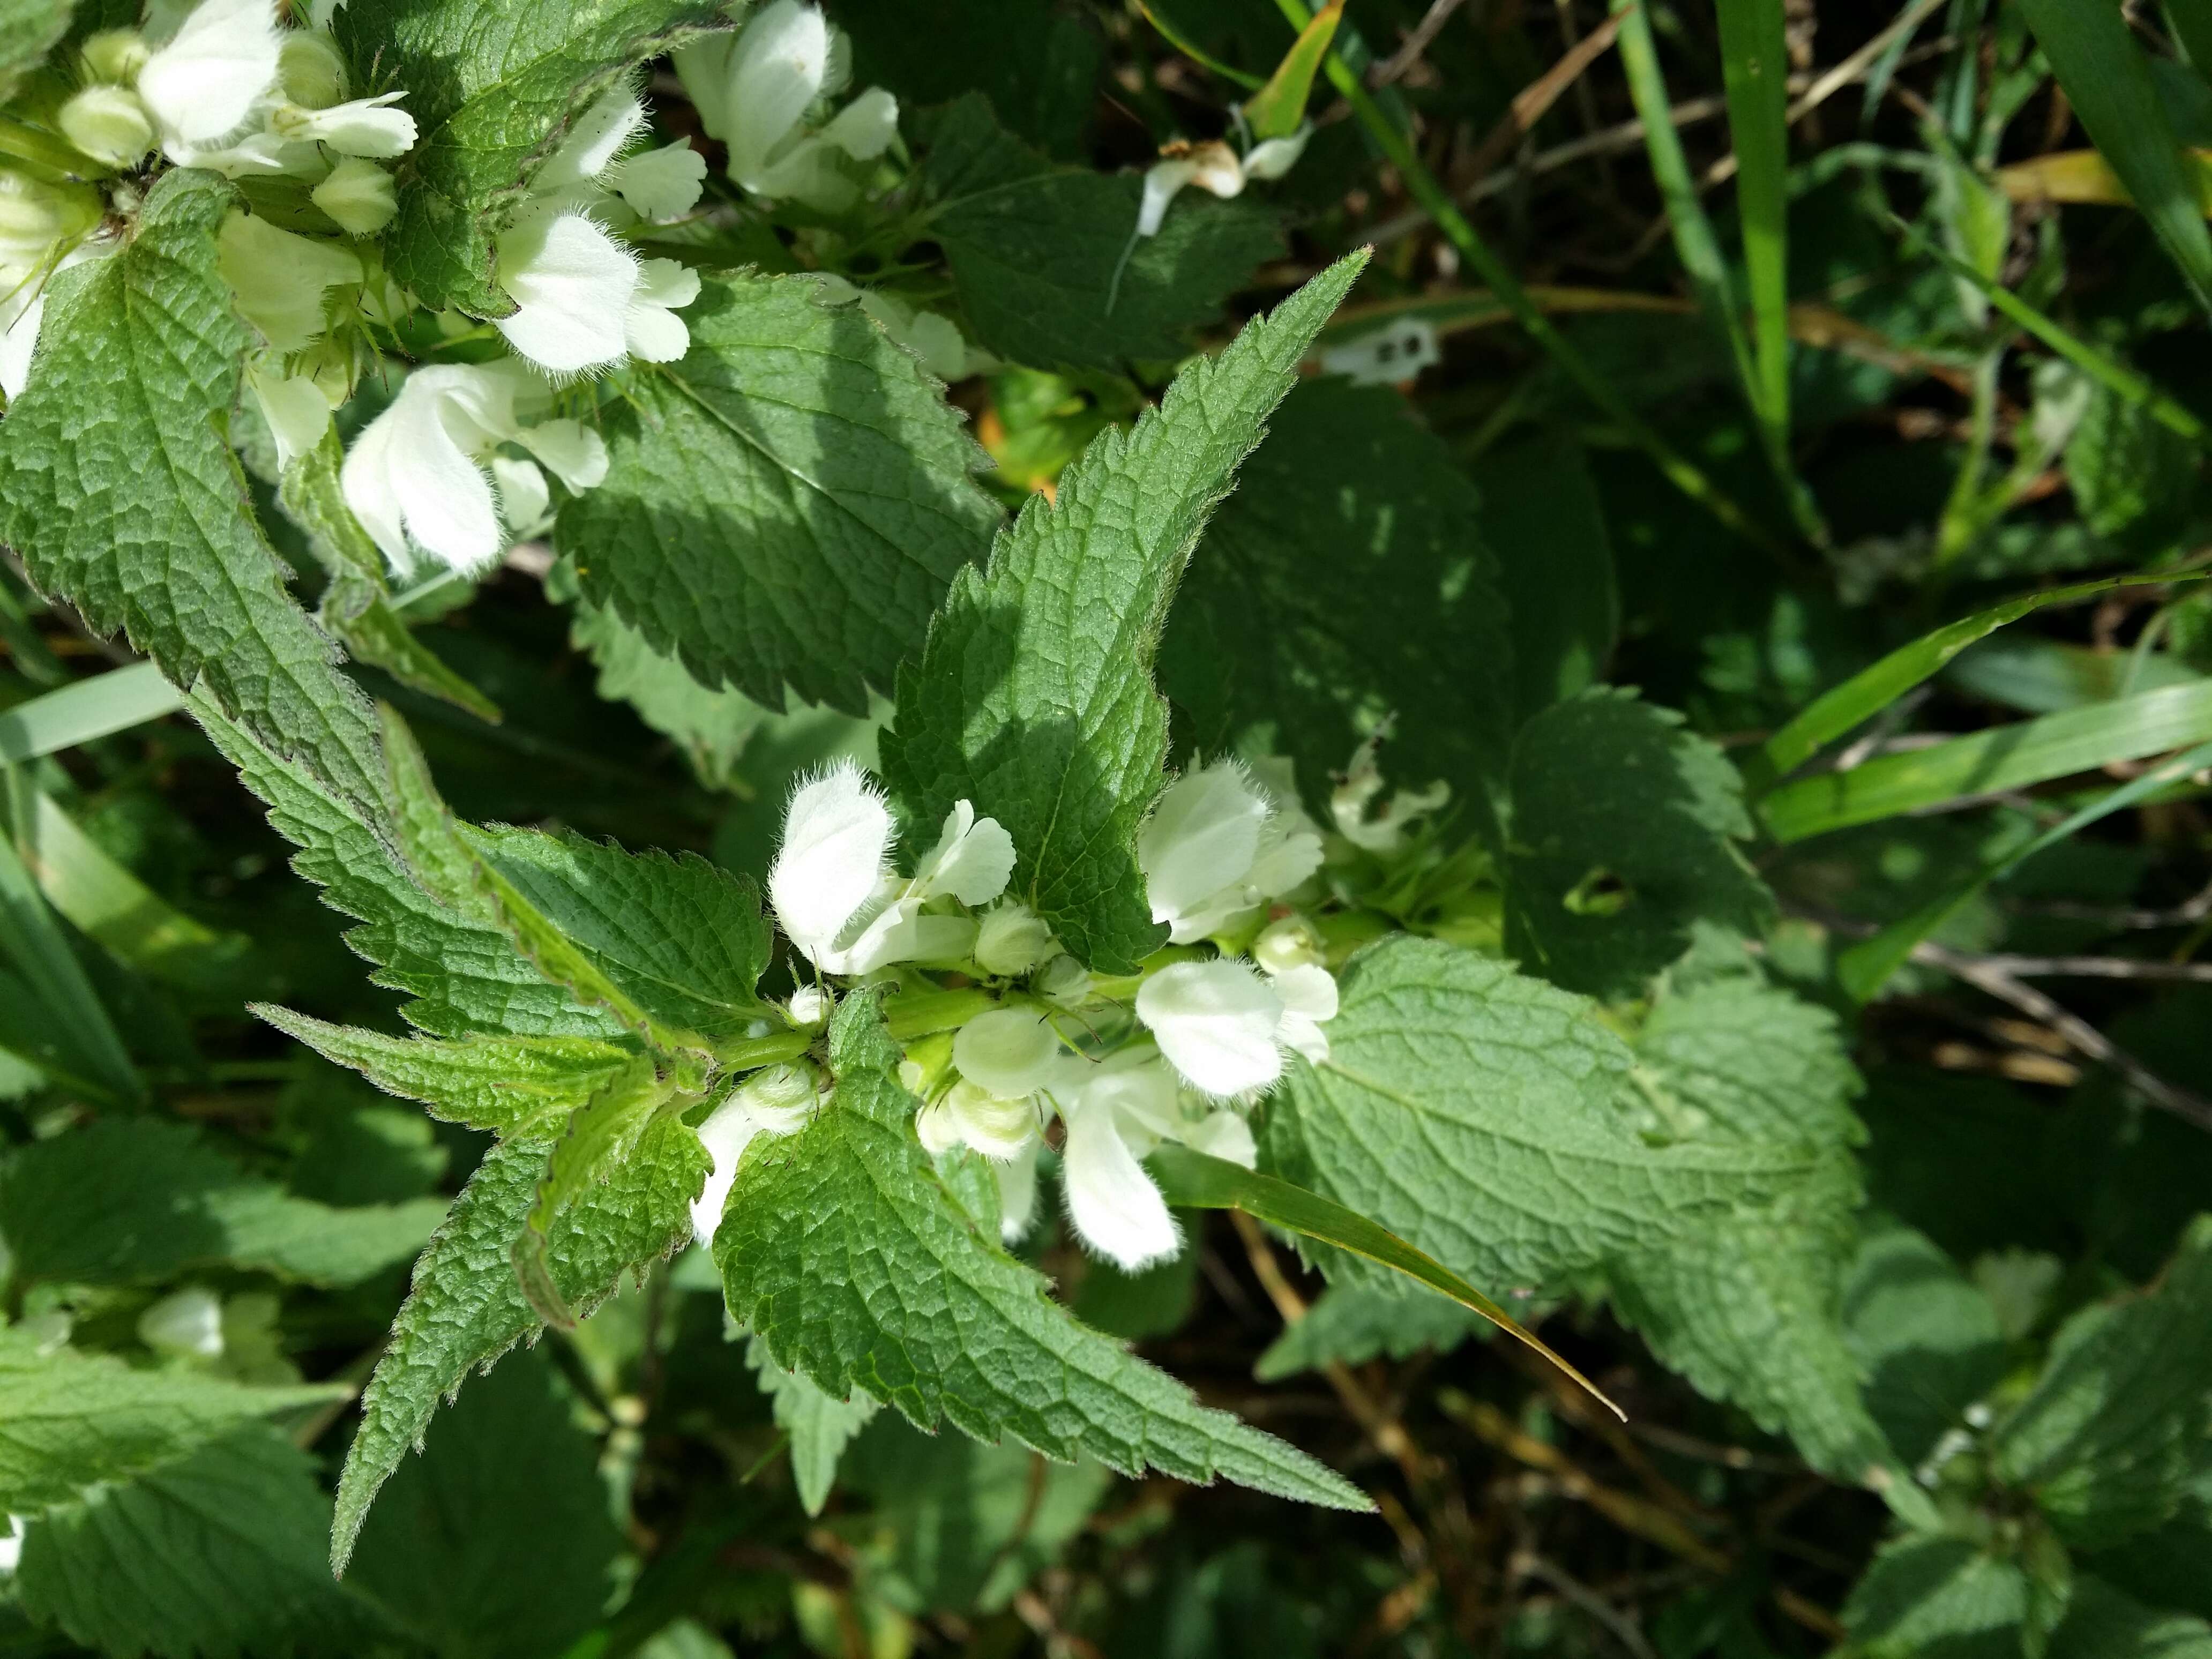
660, 184
1287, 943
358, 195
571, 451
277, 279
1216, 1022
573, 285
651, 327
1218, 844
972, 860
1212, 166
777, 68
774, 1101
24, 309
109, 124
1382, 830
1009, 1052
1309, 1002
297, 412
837, 834
367, 127
524, 495
187, 1323
205, 81
1116, 1209
1018, 1186
999, 1127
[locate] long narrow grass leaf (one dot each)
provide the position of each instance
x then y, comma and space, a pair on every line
34, 941
85, 709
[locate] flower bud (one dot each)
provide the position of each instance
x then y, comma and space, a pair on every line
809, 1006
1011, 940
115, 55
109, 124
310, 71
1064, 982
34, 215
358, 195
187, 1323
777, 1092
969, 1116
1011, 1052
1286, 943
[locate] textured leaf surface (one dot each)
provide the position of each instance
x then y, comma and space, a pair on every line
497, 1541
1927, 1595
120, 492
68, 1418
1926, 1337
2102, 1622
466, 1307
841, 1248
492, 88
1345, 581
2115, 1427
215, 1555
678, 943
820, 1425
1034, 696
787, 503
1481, 1116
508, 1084
1034, 250
136, 1202
1623, 837
463, 971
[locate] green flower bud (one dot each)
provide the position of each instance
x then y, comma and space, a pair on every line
310, 69
115, 56
35, 216
358, 195
109, 125
1011, 940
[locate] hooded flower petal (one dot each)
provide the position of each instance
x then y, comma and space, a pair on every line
205, 81
651, 326
836, 834
572, 284
662, 184
864, 129
972, 860
969, 1116
1223, 1134
571, 451
1216, 1023
1198, 846
408, 476
523, 494
1116, 1209
109, 124
367, 127
600, 134
777, 68
1012, 939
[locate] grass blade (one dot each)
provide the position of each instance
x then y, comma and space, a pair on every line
85, 709
1866, 967
1754, 73
2108, 79
1989, 762
1872, 689
1193, 1180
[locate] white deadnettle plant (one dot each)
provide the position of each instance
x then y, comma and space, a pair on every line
1203, 1038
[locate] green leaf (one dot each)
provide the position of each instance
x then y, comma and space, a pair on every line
356, 605
1037, 66
1870, 690
492, 88
445, 950
1034, 697
1543, 519
2110, 1436
1035, 250
28, 30
118, 491
1484, 1117
68, 1419
2130, 474
787, 503
1926, 1338
841, 1248
820, 1425
1345, 582
512, 1085
1991, 761
85, 709
2102, 1622
1276, 110
1351, 1323
136, 1202
2108, 81
1193, 1180
1929, 1595
673, 947
466, 1307
496, 1542
1623, 839
215, 1555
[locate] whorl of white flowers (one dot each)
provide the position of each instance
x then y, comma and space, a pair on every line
1213, 166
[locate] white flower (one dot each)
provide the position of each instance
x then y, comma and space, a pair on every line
413, 478
1286, 943
660, 184
1223, 1134
972, 862
774, 1101
589, 148
109, 124
205, 81
838, 833
367, 127
297, 412
187, 1323
572, 284
1218, 844
1018, 1191
277, 279
526, 500
1011, 940
1309, 1002
1011, 1052
754, 92
310, 69
1116, 1209
998, 1126
809, 1007
1383, 830
11, 1545
1216, 1022
24, 308
358, 195
1273, 157
1212, 166
651, 327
